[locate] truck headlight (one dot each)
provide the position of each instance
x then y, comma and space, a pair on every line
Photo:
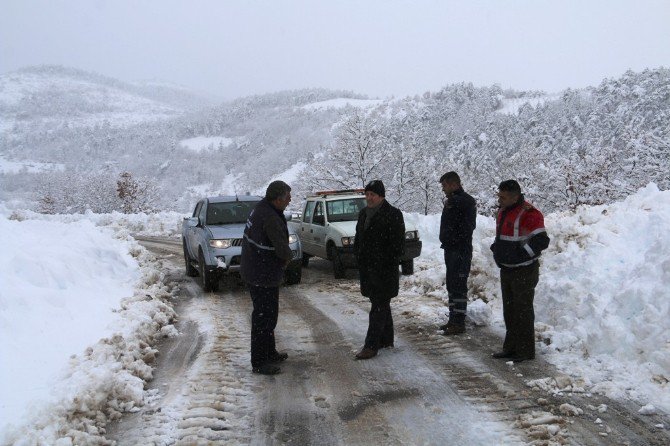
412, 235
348, 241
220, 244
292, 238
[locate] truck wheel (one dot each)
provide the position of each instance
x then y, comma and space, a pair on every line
338, 267
293, 276
407, 267
305, 259
208, 280
190, 270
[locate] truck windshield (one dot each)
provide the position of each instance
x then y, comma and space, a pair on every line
229, 213
344, 210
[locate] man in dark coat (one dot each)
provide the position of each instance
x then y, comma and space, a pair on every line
459, 219
379, 244
265, 255
520, 239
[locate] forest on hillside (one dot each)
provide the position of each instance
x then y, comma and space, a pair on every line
588, 146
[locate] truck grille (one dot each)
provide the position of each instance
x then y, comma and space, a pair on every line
236, 242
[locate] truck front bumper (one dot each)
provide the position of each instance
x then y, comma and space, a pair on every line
231, 263
347, 256
412, 250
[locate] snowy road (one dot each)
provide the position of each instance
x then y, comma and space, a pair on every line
427, 390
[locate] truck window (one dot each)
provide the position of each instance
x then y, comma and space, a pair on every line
230, 212
319, 218
345, 210
309, 210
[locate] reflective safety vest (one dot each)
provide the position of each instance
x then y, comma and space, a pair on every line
520, 236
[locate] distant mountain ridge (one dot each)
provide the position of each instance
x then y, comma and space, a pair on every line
50, 95
589, 145
157, 90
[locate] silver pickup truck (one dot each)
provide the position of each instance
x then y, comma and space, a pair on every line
212, 240
327, 228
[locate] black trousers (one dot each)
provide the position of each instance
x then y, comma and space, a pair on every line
458, 264
518, 291
263, 323
380, 326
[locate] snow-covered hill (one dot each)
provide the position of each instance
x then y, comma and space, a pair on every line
341, 103
52, 96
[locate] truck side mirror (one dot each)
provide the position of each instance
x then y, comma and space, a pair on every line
191, 221
319, 220
288, 216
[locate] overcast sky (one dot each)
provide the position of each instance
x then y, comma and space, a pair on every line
379, 48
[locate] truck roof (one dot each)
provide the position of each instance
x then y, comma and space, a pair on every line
339, 194
231, 198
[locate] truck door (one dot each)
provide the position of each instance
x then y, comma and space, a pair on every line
319, 230
199, 231
191, 242
306, 231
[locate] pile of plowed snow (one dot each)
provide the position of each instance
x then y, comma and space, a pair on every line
80, 308
602, 307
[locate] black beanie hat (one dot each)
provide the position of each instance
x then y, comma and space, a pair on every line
377, 187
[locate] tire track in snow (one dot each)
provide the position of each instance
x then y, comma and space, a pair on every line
395, 398
324, 397
209, 397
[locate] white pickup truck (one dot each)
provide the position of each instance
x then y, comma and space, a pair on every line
327, 228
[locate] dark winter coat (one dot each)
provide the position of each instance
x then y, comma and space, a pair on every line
459, 219
265, 248
520, 235
378, 249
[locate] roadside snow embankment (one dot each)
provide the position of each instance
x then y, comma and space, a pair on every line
604, 296
80, 307
602, 307
166, 224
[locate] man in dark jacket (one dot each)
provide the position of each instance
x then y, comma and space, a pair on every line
265, 255
379, 244
459, 219
520, 238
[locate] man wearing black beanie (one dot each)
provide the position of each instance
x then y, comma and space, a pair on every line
378, 246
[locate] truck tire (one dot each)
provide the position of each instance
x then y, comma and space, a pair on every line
190, 270
208, 280
305, 259
338, 267
407, 267
293, 276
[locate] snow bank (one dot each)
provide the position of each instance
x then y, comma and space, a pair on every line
604, 295
603, 303
166, 224
429, 277
80, 307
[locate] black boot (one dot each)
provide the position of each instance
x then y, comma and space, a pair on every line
278, 357
454, 329
266, 369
